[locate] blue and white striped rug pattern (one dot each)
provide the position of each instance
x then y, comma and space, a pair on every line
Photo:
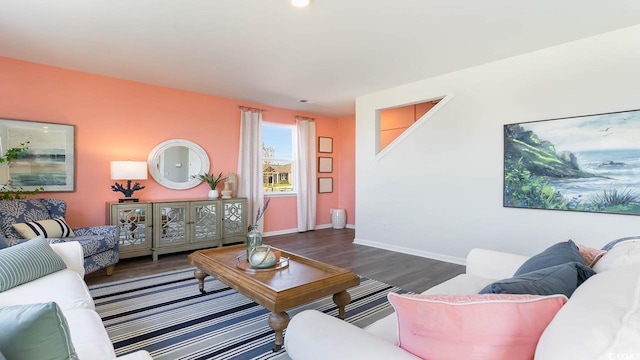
166, 315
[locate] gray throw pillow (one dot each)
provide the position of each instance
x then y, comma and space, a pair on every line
35, 331
557, 254
559, 279
26, 262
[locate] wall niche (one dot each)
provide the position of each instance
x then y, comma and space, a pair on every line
395, 121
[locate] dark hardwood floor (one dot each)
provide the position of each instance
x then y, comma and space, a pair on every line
332, 246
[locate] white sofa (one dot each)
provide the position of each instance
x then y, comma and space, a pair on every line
68, 289
601, 320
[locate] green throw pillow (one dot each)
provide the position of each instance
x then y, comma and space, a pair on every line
35, 331
26, 262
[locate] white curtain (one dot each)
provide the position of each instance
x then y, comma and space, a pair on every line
250, 164
305, 176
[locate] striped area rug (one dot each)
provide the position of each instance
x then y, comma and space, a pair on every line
166, 315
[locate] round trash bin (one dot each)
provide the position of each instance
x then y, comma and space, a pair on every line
338, 218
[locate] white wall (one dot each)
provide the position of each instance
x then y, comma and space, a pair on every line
439, 191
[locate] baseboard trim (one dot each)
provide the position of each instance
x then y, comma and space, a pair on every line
400, 249
291, 231
280, 232
409, 251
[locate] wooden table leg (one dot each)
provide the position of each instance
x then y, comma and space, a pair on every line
278, 322
341, 299
200, 275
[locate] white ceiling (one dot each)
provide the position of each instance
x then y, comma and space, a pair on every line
268, 52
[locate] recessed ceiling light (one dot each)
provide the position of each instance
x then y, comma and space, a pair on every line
300, 3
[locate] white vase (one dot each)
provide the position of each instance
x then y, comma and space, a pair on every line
213, 194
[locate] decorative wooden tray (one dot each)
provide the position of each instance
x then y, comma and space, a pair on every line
243, 264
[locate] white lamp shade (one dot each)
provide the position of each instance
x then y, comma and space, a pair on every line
128, 170
300, 3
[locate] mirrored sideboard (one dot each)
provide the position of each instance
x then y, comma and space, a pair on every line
163, 227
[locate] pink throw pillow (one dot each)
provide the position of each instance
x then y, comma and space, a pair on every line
590, 255
483, 326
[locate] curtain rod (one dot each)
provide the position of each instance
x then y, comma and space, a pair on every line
305, 118
250, 108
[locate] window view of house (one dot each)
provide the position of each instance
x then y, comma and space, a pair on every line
278, 163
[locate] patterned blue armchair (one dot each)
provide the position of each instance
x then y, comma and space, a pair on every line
99, 243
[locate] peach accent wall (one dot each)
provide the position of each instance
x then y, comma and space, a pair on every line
123, 120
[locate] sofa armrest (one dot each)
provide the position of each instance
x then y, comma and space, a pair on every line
313, 335
493, 264
104, 230
72, 254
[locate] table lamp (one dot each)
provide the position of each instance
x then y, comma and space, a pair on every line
128, 170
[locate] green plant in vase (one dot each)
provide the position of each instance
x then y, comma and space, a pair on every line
9, 191
213, 182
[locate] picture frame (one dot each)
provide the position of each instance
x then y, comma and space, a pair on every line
325, 165
48, 163
325, 144
588, 163
325, 185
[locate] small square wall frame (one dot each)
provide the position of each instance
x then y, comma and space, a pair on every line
325, 185
325, 144
325, 165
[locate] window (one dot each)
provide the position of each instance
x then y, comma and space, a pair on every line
277, 169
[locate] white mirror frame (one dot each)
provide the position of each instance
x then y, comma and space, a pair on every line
152, 162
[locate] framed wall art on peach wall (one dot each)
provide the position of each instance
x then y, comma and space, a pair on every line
325, 144
325, 185
49, 159
325, 165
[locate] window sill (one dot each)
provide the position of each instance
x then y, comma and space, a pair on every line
280, 194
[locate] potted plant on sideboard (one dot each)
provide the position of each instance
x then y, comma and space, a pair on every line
213, 182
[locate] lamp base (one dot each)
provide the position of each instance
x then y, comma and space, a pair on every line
128, 192
128, 200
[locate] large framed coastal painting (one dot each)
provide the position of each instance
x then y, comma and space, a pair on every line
584, 163
48, 163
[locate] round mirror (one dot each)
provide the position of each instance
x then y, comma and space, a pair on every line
173, 163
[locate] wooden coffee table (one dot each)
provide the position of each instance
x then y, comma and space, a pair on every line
302, 281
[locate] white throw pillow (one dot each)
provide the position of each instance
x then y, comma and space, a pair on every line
623, 254
49, 228
600, 321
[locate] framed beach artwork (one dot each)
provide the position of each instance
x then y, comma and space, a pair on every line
49, 161
585, 163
